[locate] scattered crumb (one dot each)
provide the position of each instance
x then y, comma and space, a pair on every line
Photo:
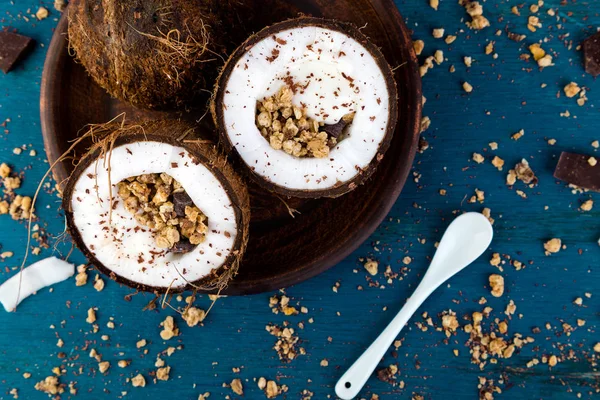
497, 285
138, 381
371, 267
169, 328
552, 246
162, 374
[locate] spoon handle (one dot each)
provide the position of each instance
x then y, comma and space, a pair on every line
357, 375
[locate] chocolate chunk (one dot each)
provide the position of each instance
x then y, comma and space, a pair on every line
183, 246
180, 201
336, 129
591, 54
577, 170
12, 48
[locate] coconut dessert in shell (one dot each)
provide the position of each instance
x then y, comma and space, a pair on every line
156, 213
309, 105
155, 54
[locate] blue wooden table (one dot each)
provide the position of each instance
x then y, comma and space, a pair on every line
347, 307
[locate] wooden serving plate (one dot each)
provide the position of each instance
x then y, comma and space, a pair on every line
282, 250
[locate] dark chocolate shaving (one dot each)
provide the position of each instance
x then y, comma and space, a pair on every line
591, 54
180, 201
576, 170
12, 49
336, 129
183, 246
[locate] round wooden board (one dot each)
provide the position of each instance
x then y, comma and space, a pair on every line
282, 250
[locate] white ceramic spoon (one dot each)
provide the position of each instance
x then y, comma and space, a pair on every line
467, 237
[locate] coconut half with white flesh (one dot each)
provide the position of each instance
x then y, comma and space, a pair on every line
309, 105
156, 213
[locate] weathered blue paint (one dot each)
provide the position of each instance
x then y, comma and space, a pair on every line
507, 97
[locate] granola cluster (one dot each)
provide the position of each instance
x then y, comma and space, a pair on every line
287, 127
159, 202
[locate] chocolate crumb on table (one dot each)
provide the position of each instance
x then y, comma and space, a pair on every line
13, 48
579, 170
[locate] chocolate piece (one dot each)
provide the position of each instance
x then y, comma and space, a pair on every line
336, 129
183, 246
577, 170
180, 201
12, 48
591, 54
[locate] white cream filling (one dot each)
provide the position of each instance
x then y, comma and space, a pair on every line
342, 76
128, 249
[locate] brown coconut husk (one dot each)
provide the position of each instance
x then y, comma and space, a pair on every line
217, 106
154, 54
114, 134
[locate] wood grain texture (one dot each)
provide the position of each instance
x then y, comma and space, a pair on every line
282, 250
507, 97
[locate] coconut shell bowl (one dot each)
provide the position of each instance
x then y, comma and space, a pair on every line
282, 250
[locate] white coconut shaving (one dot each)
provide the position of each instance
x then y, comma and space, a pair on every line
333, 75
128, 249
39, 275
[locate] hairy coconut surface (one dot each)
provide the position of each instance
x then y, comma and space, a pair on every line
129, 150
332, 69
155, 54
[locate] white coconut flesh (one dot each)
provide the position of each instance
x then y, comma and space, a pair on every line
125, 247
338, 76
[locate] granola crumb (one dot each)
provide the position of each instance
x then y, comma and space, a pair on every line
545, 61
98, 283
237, 387
495, 261
138, 381
518, 135
193, 316
497, 285
91, 316
498, 163
587, 205
438, 33
493, 145
478, 158
552, 246
272, 390
103, 366
169, 329
467, 87
418, 45
572, 89
81, 277
592, 161
60, 5
140, 343
50, 385
372, 267
41, 13
434, 4
123, 363
162, 374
